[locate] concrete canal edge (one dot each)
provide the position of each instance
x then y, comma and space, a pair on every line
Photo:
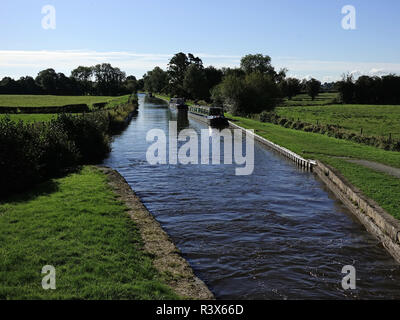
167, 257
375, 219
300, 161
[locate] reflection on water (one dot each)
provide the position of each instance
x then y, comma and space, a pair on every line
277, 234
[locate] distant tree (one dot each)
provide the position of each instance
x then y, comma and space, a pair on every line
313, 88
195, 60
47, 81
140, 84
65, 85
390, 93
156, 80
195, 82
256, 63
176, 71
237, 72
254, 93
177, 68
109, 80
9, 86
261, 64
290, 87
131, 84
28, 85
230, 94
83, 75
214, 77
346, 88
367, 89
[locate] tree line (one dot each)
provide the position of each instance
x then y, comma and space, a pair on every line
253, 87
370, 90
102, 80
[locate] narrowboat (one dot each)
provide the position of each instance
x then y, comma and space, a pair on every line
213, 116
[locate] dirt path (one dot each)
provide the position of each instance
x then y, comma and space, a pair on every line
378, 167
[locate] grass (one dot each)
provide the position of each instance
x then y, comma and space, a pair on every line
30, 117
38, 117
77, 225
49, 100
380, 187
116, 101
372, 119
303, 99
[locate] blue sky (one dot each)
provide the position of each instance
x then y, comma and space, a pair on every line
305, 36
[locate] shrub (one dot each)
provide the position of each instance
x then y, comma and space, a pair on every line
19, 155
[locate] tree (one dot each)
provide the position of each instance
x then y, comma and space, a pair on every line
83, 75
28, 85
109, 80
177, 68
238, 72
131, 84
367, 89
156, 80
195, 82
214, 77
256, 63
176, 71
47, 81
261, 64
230, 94
254, 93
9, 86
140, 84
290, 87
313, 88
66, 86
262, 93
346, 88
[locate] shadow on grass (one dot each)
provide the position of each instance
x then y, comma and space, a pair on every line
41, 189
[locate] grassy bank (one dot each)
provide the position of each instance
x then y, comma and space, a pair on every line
373, 120
31, 153
382, 188
77, 225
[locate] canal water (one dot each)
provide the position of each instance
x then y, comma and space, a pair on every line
276, 234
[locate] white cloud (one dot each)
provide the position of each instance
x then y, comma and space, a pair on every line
18, 63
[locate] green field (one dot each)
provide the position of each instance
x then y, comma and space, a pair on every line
373, 120
48, 100
384, 189
30, 117
61, 101
77, 225
305, 100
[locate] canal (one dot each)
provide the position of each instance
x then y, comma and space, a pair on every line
276, 234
